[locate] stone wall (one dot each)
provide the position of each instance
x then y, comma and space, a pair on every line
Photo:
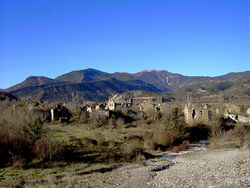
196, 113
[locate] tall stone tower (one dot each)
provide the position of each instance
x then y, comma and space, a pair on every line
188, 109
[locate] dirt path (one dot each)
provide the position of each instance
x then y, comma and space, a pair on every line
218, 168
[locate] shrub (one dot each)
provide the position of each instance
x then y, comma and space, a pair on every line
174, 132
18, 142
89, 143
163, 139
185, 145
175, 121
160, 137
181, 147
82, 143
47, 148
242, 132
32, 131
133, 150
234, 138
15, 148
149, 145
136, 137
97, 119
80, 118
220, 124
18, 114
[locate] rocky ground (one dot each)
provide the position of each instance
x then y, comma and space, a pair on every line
205, 168
223, 168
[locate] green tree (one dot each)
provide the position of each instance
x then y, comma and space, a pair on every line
175, 121
33, 130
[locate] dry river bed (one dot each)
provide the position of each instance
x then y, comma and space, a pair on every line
197, 168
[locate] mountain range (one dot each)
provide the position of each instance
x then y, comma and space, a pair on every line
94, 85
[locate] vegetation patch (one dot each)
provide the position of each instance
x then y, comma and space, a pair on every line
233, 138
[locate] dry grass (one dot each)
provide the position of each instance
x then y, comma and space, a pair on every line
234, 138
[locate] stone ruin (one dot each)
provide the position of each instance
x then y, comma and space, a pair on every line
201, 113
194, 112
233, 113
197, 113
145, 104
60, 113
135, 107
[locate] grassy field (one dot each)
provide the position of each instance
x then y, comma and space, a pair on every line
46, 177
92, 157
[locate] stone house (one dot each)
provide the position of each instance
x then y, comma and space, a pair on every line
111, 105
196, 113
236, 117
60, 113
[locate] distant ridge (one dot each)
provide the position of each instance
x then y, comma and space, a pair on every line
94, 85
33, 81
83, 75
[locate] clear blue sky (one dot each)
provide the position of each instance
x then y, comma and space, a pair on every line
52, 37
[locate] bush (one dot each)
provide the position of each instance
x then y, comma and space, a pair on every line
133, 151
15, 148
18, 114
181, 147
21, 144
160, 137
175, 121
163, 139
220, 124
83, 143
33, 131
47, 148
80, 118
173, 132
98, 119
234, 138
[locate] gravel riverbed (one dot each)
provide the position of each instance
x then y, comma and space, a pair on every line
205, 168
